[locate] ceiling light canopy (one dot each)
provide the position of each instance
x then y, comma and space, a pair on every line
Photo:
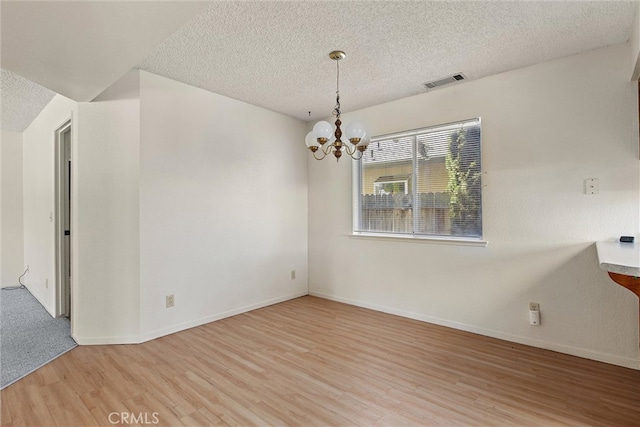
326, 140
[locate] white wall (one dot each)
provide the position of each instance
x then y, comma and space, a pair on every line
634, 44
182, 191
39, 197
545, 129
223, 206
11, 229
634, 48
106, 292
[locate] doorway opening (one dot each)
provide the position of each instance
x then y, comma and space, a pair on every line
63, 220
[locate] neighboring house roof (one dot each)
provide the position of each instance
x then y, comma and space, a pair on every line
393, 178
388, 151
396, 148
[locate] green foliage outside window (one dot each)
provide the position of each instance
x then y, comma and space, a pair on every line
464, 184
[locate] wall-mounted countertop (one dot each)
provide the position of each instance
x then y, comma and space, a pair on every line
621, 258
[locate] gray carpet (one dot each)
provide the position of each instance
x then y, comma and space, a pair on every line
29, 336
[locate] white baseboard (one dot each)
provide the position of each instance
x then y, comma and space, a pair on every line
130, 339
137, 339
212, 318
560, 348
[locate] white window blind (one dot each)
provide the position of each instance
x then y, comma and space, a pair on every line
422, 182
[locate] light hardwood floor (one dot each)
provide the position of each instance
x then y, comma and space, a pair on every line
311, 361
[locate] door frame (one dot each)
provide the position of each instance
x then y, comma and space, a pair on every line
62, 171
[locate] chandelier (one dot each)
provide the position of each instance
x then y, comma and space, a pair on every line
325, 140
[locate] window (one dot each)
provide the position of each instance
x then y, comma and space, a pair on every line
391, 184
426, 182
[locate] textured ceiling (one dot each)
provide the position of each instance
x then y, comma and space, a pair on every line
21, 101
274, 53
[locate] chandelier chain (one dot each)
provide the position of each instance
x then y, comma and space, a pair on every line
336, 110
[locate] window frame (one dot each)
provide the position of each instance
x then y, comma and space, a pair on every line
405, 182
357, 185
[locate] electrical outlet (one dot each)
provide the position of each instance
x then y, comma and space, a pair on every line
534, 306
170, 301
293, 275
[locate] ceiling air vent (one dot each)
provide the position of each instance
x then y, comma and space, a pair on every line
444, 81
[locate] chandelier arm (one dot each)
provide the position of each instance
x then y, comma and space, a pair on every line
355, 155
319, 158
353, 152
326, 149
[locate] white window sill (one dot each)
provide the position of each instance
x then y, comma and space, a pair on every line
459, 241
